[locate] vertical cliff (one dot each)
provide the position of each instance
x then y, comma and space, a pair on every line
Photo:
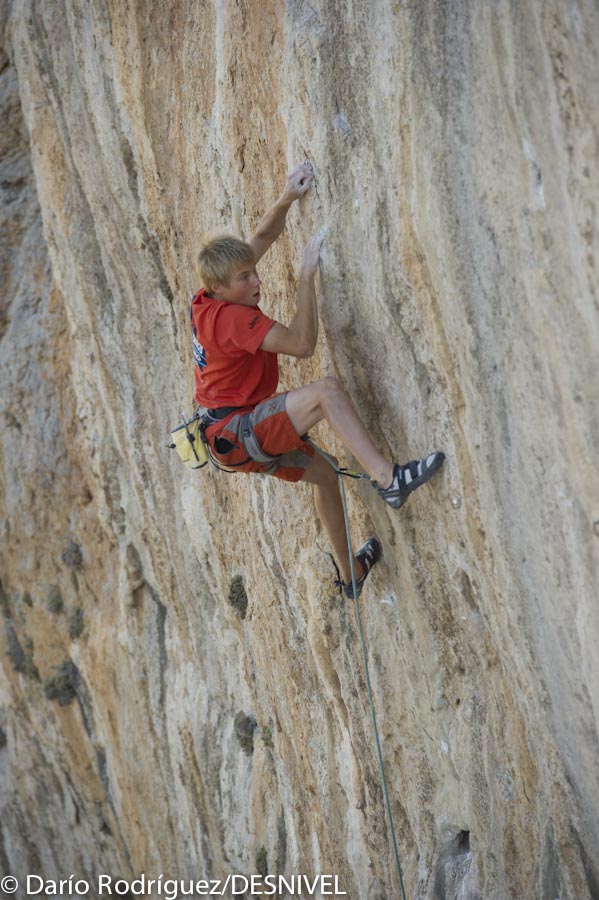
152, 722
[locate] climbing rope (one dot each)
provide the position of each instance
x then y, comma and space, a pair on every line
344, 472
341, 473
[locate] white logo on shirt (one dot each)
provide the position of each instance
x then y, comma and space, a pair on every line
199, 354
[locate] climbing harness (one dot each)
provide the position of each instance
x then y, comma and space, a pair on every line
253, 446
344, 472
192, 446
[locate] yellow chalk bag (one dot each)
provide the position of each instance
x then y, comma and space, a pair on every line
189, 442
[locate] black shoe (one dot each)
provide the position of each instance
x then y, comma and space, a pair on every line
409, 477
368, 555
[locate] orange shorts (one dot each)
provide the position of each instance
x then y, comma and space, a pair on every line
276, 435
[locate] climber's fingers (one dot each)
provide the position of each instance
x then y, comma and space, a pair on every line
312, 252
299, 181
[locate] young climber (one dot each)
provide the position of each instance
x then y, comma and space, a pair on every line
249, 427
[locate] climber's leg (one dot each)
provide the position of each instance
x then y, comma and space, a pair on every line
327, 499
326, 399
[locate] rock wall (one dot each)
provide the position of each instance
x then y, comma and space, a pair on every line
150, 721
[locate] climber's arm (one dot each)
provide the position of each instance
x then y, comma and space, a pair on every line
273, 223
299, 339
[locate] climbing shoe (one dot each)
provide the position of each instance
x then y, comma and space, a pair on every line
368, 555
409, 477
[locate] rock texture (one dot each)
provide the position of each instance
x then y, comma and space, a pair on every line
181, 691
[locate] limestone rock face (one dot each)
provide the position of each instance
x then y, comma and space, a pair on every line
182, 691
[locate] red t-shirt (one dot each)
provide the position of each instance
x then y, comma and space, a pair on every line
230, 368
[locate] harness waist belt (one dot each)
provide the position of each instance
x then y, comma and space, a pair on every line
222, 412
250, 442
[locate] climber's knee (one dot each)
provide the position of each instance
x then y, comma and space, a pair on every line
321, 473
331, 392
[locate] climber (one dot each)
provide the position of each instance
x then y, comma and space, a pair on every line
249, 427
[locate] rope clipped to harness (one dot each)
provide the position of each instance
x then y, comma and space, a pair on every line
341, 472
346, 472
191, 444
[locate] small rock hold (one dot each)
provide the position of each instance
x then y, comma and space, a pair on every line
54, 601
262, 862
267, 737
76, 623
4, 602
341, 125
134, 566
15, 651
72, 556
244, 731
21, 660
62, 685
238, 597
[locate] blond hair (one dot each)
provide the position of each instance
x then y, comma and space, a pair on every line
220, 254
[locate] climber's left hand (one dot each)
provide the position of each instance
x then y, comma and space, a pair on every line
299, 181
